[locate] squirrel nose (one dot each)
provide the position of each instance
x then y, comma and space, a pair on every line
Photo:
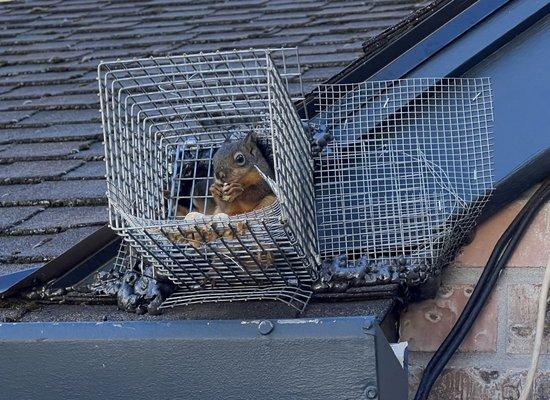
220, 175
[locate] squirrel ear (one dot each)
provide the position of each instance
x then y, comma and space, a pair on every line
250, 142
250, 138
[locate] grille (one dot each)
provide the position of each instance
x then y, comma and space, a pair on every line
407, 171
164, 119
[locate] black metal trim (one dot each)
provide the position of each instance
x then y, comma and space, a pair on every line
198, 329
88, 266
513, 185
442, 25
408, 37
193, 359
10, 280
512, 19
83, 253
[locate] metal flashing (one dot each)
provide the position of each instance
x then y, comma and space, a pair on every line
193, 359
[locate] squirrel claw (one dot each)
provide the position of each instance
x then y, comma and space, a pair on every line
217, 190
232, 191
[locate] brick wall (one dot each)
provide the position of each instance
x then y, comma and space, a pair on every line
494, 358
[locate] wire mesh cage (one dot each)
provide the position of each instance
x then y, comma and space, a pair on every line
164, 121
389, 197
404, 177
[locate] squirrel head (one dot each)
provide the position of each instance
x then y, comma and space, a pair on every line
236, 162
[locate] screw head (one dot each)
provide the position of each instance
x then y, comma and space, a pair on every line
265, 327
371, 392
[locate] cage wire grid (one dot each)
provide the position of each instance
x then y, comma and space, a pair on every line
405, 174
163, 119
407, 171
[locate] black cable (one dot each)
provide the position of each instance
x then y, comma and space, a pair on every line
496, 263
485, 286
488, 271
482, 291
486, 289
468, 316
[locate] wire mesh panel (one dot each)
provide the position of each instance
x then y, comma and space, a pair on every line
406, 172
164, 121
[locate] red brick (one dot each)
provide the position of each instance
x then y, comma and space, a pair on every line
513, 382
426, 324
522, 316
480, 383
532, 250
461, 384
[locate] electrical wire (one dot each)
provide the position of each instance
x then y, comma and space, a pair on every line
539, 333
496, 263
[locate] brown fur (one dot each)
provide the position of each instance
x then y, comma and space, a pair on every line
237, 189
240, 189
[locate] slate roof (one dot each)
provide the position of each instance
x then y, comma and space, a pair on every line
52, 190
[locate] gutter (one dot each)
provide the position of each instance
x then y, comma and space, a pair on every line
314, 358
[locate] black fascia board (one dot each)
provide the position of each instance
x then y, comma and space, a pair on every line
193, 359
403, 58
502, 26
10, 281
499, 28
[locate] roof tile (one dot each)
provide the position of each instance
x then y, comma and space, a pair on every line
48, 117
94, 152
6, 268
42, 77
270, 41
88, 192
65, 132
37, 248
22, 68
25, 171
12, 117
36, 46
34, 57
40, 151
27, 92
54, 219
91, 169
10, 216
90, 100
6, 89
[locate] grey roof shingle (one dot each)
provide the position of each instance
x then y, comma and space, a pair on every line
50, 132
39, 248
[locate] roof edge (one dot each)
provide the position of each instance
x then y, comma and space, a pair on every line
523, 178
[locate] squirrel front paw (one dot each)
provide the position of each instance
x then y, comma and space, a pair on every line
217, 190
231, 191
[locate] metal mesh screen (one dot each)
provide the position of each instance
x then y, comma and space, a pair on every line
403, 177
164, 119
407, 170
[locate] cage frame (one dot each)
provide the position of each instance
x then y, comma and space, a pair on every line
393, 106
139, 231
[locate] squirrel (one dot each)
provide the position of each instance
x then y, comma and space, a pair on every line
238, 186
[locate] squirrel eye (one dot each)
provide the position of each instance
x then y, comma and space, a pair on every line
239, 159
